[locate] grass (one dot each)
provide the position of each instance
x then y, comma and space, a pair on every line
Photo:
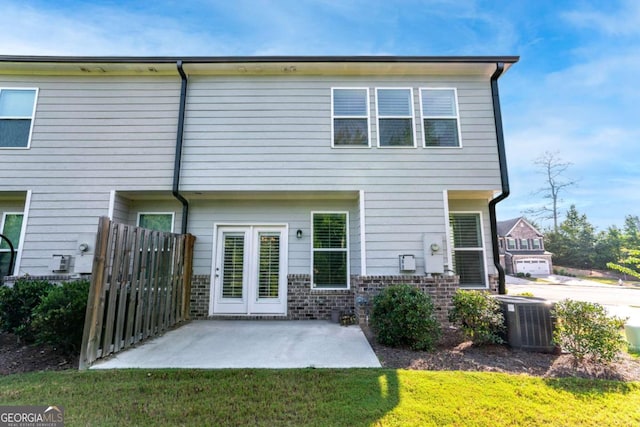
607, 281
318, 397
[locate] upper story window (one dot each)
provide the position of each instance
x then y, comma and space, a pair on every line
159, 221
17, 108
350, 117
511, 243
524, 244
395, 117
440, 120
536, 244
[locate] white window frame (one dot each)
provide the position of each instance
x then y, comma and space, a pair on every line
334, 117
410, 116
346, 250
510, 247
423, 117
16, 245
483, 248
173, 217
32, 117
524, 244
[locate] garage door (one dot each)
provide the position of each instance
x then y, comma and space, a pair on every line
532, 266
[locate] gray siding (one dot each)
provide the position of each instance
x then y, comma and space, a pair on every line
275, 133
93, 135
90, 135
297, 214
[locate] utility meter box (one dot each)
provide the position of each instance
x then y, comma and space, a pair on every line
85, 251
433, 246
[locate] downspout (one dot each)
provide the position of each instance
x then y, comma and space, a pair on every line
504, 177
178, 157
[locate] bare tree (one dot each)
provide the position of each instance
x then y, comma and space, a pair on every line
553, 169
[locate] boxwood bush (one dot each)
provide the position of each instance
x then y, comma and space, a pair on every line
478, 315
587, 332
17, 304
403, 316
59, 318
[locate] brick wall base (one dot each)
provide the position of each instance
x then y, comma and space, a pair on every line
440, 289
305, 303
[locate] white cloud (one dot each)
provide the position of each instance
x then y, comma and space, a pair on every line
623, 20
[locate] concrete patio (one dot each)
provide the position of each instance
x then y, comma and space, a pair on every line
217, 344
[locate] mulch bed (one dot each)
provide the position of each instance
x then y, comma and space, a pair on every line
452, 354
16, 358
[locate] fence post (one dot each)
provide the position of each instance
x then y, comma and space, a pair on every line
90, 334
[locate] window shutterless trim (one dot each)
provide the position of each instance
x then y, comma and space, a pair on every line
345, 249
334, 117
457, 117
173, 218
32, 117
410, 116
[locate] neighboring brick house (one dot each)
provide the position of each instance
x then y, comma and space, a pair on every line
522, 248
308, 182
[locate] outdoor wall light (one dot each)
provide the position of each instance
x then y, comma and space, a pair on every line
299, 234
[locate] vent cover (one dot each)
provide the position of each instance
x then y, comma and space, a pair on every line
529, 322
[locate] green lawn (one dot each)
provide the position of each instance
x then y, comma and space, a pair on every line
356, 397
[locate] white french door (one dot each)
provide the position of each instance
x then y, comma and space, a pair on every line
250, 271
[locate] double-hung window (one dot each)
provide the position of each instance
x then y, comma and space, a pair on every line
350, 117
159, 221
395, 117
511, 243
440, 120
524, 243
11, 227
17, 108
468, 249
330, 251
536, 244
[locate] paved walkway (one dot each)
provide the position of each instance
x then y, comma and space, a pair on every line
213, 344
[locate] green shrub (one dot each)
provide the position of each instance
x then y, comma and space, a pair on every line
402, 315
17, 305
586, 331
59, 319
479, 316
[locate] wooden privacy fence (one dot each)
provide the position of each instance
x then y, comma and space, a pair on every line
140, 287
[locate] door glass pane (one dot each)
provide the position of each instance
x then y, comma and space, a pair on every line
268, 265
233, 266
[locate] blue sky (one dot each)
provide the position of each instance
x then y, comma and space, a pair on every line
575, 90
